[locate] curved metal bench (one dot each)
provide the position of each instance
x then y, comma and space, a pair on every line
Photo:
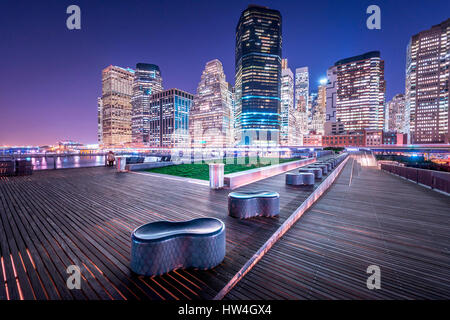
332, 163
323, 167
318, 173
328, 164
163, 246
244, 205
300, 179
306, 170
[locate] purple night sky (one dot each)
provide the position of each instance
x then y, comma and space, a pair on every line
51, 76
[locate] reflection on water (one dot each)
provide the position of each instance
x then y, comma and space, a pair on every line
43, 163
72, 161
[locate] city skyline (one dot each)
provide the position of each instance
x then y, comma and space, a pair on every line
61, 107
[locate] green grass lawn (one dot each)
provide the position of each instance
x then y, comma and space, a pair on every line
201, 170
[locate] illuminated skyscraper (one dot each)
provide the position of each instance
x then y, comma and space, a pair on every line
301, 88
147, 81
302, 98
169, 118
116, 100
361, 92
232, 98
319, 110
210, 115
427, 85
99, 120
258, 76
287, 131
396, 114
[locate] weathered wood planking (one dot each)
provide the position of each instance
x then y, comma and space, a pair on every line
374, 218
54, 219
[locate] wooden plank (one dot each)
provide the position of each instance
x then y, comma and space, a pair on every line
86, 216
367, 217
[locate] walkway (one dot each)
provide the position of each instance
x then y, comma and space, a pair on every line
367, 217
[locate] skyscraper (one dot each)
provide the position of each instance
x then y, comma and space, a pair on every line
258, 75
361, 92
331, 92
232, 98
99, 120
210, 115
396, 114
302, 88
147, 81
427, 85
169, 118
116, 101
302, 98
287, 131
319, 111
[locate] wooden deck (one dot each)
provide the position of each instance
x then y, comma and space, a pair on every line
367, 217
84, 217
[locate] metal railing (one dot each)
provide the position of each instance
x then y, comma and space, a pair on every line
433, 179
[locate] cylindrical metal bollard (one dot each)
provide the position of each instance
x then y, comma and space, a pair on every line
216, 171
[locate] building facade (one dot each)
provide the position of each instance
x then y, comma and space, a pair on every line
333, 128
232, 98
395, 138
169, 118
356, 139
396, 114
302, 88
258, 76
117, 85
312, 140
302, 99
147, 81
210, 118
99, 121
331, 94
287, 130
360, 94
317, 124
427, 85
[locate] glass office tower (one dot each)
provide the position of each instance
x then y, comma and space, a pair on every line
258, 76
169, 118
147, 81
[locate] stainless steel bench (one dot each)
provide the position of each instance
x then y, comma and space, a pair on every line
163, 246
244, 205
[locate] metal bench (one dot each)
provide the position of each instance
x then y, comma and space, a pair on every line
318, 173
323, 167
163, 246
300, 179
244, 205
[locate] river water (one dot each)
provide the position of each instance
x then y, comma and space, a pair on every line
63, 162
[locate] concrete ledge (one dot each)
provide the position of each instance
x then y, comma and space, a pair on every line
149, 165
238, 179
